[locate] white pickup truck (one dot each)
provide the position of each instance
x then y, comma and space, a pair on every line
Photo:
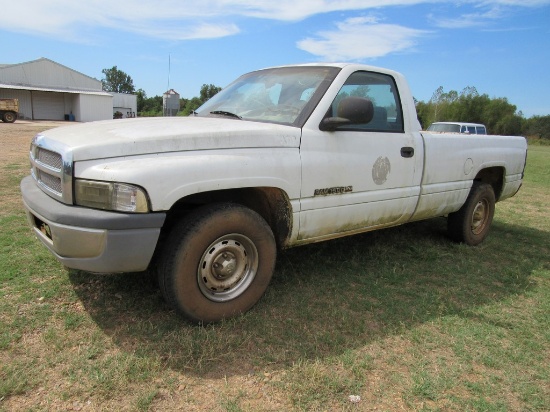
281, 157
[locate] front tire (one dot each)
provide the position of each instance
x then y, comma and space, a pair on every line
471, 223
217, 262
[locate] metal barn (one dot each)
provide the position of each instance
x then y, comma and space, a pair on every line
50, 91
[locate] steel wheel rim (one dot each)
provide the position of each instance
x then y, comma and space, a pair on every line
480, 216
227, 267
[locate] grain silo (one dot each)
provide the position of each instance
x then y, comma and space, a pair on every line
170, 103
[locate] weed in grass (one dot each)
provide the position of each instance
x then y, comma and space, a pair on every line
145, 400
232, 404
18, 376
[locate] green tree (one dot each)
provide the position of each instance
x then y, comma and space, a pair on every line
497, 114
537, 126
500, 117
207, 91
422, 112
191, 105
141, 96
469, 105
152, 106
117, 81
183, 103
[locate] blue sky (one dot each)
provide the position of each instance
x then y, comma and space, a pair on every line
501, 47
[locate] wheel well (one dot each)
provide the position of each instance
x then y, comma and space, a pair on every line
271, 203
493, 176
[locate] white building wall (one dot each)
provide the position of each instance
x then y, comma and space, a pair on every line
125, 103
48, 105
91, 107
71, 100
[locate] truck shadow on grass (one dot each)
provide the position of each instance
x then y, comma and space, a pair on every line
324, 299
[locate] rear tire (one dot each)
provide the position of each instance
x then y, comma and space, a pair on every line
471, 223
9, 117
217, 262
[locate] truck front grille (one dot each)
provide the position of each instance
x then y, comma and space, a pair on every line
49, 158
51, 182
51, 169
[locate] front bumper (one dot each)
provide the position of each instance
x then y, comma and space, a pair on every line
88, 239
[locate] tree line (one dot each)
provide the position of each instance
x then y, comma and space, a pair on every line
499, 115
152, 106
117, 81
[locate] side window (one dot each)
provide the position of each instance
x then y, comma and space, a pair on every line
380, 89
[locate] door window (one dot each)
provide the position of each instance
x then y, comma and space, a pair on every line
380, 89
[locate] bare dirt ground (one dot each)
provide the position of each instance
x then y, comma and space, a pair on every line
16, 137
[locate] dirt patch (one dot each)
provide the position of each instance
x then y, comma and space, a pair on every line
16, 137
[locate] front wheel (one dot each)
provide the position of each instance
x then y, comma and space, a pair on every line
217, 262
471, 223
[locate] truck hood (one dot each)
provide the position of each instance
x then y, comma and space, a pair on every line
128, 137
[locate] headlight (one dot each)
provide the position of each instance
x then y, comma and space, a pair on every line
120, 197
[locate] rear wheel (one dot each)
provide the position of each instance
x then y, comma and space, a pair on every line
471, 223
217, 262
9, 117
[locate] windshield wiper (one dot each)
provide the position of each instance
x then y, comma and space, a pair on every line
224, 113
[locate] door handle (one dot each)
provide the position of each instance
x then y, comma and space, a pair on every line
407, 151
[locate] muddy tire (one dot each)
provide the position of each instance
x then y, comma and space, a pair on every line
9, 117
471, 223
217, 262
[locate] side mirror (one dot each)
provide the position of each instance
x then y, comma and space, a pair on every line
351, 110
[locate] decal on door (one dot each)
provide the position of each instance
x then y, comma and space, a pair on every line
380, 170
339, 190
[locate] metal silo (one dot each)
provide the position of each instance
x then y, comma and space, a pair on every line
170, 103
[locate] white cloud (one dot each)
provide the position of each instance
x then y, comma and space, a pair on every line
361, 38
465, 20
484, 13
179, 32
165, 19
182, 19
297, 10
66, 18
519, 3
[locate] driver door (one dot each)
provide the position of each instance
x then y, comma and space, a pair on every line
360, 176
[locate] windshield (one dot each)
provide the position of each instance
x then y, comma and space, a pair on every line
285, 95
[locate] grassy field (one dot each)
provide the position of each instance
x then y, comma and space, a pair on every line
402, 318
